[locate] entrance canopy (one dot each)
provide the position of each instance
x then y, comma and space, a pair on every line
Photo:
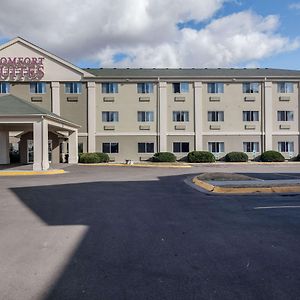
20, 115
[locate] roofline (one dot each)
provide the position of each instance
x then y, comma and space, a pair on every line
47, 53
46, 116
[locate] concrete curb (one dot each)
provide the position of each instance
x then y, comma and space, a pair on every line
31, 173
136, 165
245, 190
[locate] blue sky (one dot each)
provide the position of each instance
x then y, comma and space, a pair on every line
161, 33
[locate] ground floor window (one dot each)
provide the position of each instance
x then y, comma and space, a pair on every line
181, 147
110, 147
251, 146
286, 146
216, 147
145, 147
80, 147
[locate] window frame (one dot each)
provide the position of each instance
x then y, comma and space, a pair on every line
285, 87
180, 87
73, 87
215, 87
285, 115
110, 116
148, 147
212, 145
251, 87
110, 88
110, 146
7, 87
145, 87
178, 147
287, 145
145, 116
251, 147
181, 116
215, 116
250, 116
37, 87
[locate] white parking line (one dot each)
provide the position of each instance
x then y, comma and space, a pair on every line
272, 207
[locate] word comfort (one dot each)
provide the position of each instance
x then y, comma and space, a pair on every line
21, 68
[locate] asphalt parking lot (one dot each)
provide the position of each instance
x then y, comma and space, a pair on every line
137, 233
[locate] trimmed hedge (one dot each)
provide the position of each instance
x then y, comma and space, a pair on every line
164, 157
297, 158
272, 156
201, 157
89, 158
236, 157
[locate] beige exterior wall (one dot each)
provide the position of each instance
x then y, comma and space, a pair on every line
22, 90
182, 105
291, 105
128, 147
233, 103
74, 111
127, 103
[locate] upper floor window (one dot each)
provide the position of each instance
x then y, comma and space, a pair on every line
250, 87
4, 87
180, 116
145, 88
216, 147
110, 147
251, 146
286, 146
250, 116
109, 87
285, 87
181, 147
73, 87
215, 116
145, 147
110, 116
283, 115
180, 87
215, 87
37, 87
145, 116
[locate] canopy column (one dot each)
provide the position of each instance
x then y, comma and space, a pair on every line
4, 147
73, 147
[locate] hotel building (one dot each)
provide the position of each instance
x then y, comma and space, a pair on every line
51, 109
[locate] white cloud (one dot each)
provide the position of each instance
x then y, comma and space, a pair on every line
295, 5
145, 30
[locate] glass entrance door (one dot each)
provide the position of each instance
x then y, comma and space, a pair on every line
30, 151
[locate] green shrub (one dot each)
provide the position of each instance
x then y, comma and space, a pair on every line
164, 157
297, 158
103, 157
89, 158
201, 157
272, 156
236, 157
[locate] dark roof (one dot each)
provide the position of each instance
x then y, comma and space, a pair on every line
11, 105
220, 72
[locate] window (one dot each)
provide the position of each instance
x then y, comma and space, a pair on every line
285, 87
250, 87
110, 147
283, 115
145, 88
145, 147
286, 146
37, 87
251, 146
109, 87
215, 87
4, 87
80, 147
145, 116
180, 87
215, 116
110, 116
216, 147
250, 116
73, 87
181, 147
180, 116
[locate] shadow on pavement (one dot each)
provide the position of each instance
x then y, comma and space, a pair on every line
165, 240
